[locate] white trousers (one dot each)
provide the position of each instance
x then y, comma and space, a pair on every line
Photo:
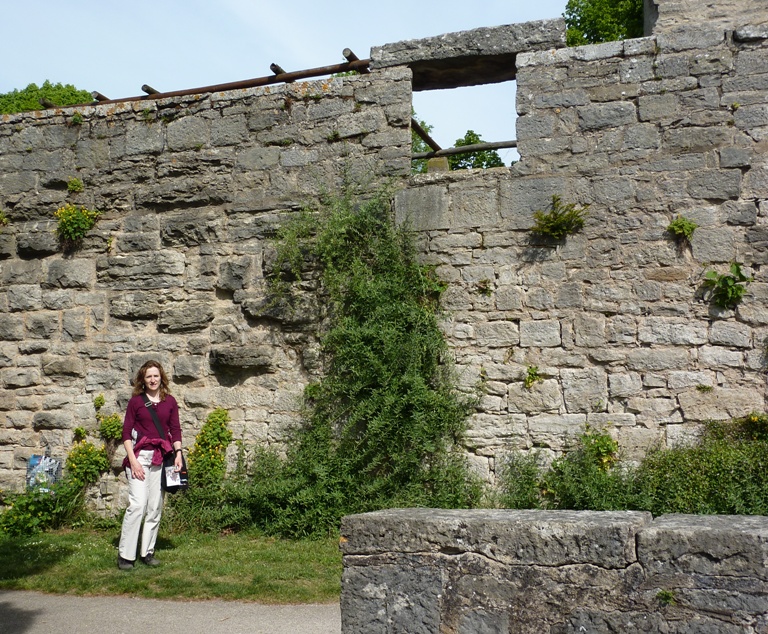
145, 500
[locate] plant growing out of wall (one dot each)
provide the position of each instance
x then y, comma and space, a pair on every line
726, 290
532, 376
75, 185
682, 229
4, 220
562, 219
74, 222
384, 425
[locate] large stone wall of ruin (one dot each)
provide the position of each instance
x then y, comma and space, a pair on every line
189, 190
614, 317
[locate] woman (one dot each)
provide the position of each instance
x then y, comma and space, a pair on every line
145, 447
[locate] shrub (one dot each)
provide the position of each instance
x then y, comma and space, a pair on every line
518, 477
583, 479
42, 508
726, 290
110, 427
4, 220
74, 222
723, 472
561, 220
29, 98
85, 463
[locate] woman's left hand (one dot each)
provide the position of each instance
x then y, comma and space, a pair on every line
177, 462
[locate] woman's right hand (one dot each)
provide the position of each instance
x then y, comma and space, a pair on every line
137, 471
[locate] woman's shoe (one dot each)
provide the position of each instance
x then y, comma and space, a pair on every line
149, 560
124, 564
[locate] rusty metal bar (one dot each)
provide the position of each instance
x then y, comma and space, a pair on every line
252, 83
465, 149
425, 136
149, 90
277, 69
351, 57
98, 96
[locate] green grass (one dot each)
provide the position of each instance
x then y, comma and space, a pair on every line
195, 566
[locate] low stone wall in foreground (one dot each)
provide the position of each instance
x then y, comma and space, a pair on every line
495, 571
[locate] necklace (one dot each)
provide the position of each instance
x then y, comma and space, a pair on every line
155, 398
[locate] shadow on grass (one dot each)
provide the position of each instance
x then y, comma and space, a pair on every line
25, 556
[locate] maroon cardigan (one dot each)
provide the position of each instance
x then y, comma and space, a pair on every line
137, 417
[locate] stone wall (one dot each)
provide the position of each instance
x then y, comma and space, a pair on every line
668, 15
189, 188
423, 571
614, 317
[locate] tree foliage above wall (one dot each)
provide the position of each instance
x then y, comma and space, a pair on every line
29, 98
594, 21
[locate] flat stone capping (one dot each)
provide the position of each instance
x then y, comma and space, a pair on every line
483, 571
469, 58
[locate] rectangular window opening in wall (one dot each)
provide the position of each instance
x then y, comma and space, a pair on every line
458, 116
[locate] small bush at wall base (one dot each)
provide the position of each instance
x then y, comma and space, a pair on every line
723, 472
561, 220
74, 222
726, 290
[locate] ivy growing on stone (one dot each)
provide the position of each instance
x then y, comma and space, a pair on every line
384, 425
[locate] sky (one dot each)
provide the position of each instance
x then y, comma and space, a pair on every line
116, 47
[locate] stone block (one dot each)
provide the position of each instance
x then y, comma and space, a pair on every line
542, 538
74, 273
185, 317
143, 138
696, 546
710, 244
542, 396
42, 324
423, 208
609, 115
715, 184
54, 365
24, 297
187, 133
544, 333
256, 357
589, 330
670, 331
497, 334
472, 205
519, 198
187, 368
584, 390
134, 305
11, 327
555, 432
52, 420
654, 360
22, 272
624, 385
719, 404
726, 333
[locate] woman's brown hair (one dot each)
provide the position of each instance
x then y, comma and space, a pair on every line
138, 381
